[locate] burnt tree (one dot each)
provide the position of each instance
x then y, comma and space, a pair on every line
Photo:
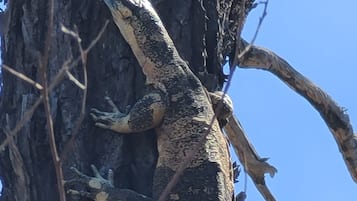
204, 33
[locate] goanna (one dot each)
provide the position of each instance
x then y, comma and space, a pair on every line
179, 109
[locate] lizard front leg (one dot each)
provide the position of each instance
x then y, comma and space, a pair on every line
147, 113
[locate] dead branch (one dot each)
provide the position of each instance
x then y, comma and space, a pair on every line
28, 114
67, 65
18, 166
334, 116
80, 119
253, 164
22, 76
43, 66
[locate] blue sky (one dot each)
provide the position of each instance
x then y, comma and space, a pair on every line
319, 39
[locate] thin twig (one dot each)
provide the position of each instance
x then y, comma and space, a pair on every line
239, 56
74, 80
96, 39
22, 77
67, 65
19, 170
256, 169
241, 17
82, 114
43, 66
28, 114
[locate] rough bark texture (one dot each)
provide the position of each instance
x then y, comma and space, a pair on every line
26, 165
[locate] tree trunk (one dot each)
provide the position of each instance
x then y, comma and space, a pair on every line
199, 30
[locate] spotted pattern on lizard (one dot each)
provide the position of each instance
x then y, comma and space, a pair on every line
177, 107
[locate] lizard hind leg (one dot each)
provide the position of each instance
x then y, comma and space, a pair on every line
101, 189
222, 106
98, 185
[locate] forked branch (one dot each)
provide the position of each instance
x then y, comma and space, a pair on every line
334, 116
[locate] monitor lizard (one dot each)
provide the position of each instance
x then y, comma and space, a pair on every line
177, 106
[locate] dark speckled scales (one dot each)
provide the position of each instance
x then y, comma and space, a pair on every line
187, 110
191, 183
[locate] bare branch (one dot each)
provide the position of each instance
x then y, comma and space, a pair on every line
25, 118
83, 57
69, 64
17, 165
240, 52
43, 66
74, 80
71, 33
19, 169
22, 77
334, 116
96, 39
253, 164
28, 114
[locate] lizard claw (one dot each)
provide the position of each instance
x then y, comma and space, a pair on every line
105, 119
110, 102
80, 177
75, 192
96, 183
98, 112
96, 172
101, 125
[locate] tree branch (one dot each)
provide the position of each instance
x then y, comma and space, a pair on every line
43, 66
334, 116
253, 164
22, 76
83, 57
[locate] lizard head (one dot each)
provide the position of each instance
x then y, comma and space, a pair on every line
126, 8
133, 17
142, 28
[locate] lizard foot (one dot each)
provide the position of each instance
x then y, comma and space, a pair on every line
98, 185
106, 119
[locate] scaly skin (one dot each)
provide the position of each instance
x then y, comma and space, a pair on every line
178, 107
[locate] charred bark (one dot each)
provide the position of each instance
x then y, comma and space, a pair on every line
199, 29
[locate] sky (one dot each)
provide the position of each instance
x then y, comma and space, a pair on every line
318, 38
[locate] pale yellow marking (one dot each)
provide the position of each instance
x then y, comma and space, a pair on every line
128, 33
176, 96
158, 111
94, 183
174, 196
101, 196
122, 125
126, 12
